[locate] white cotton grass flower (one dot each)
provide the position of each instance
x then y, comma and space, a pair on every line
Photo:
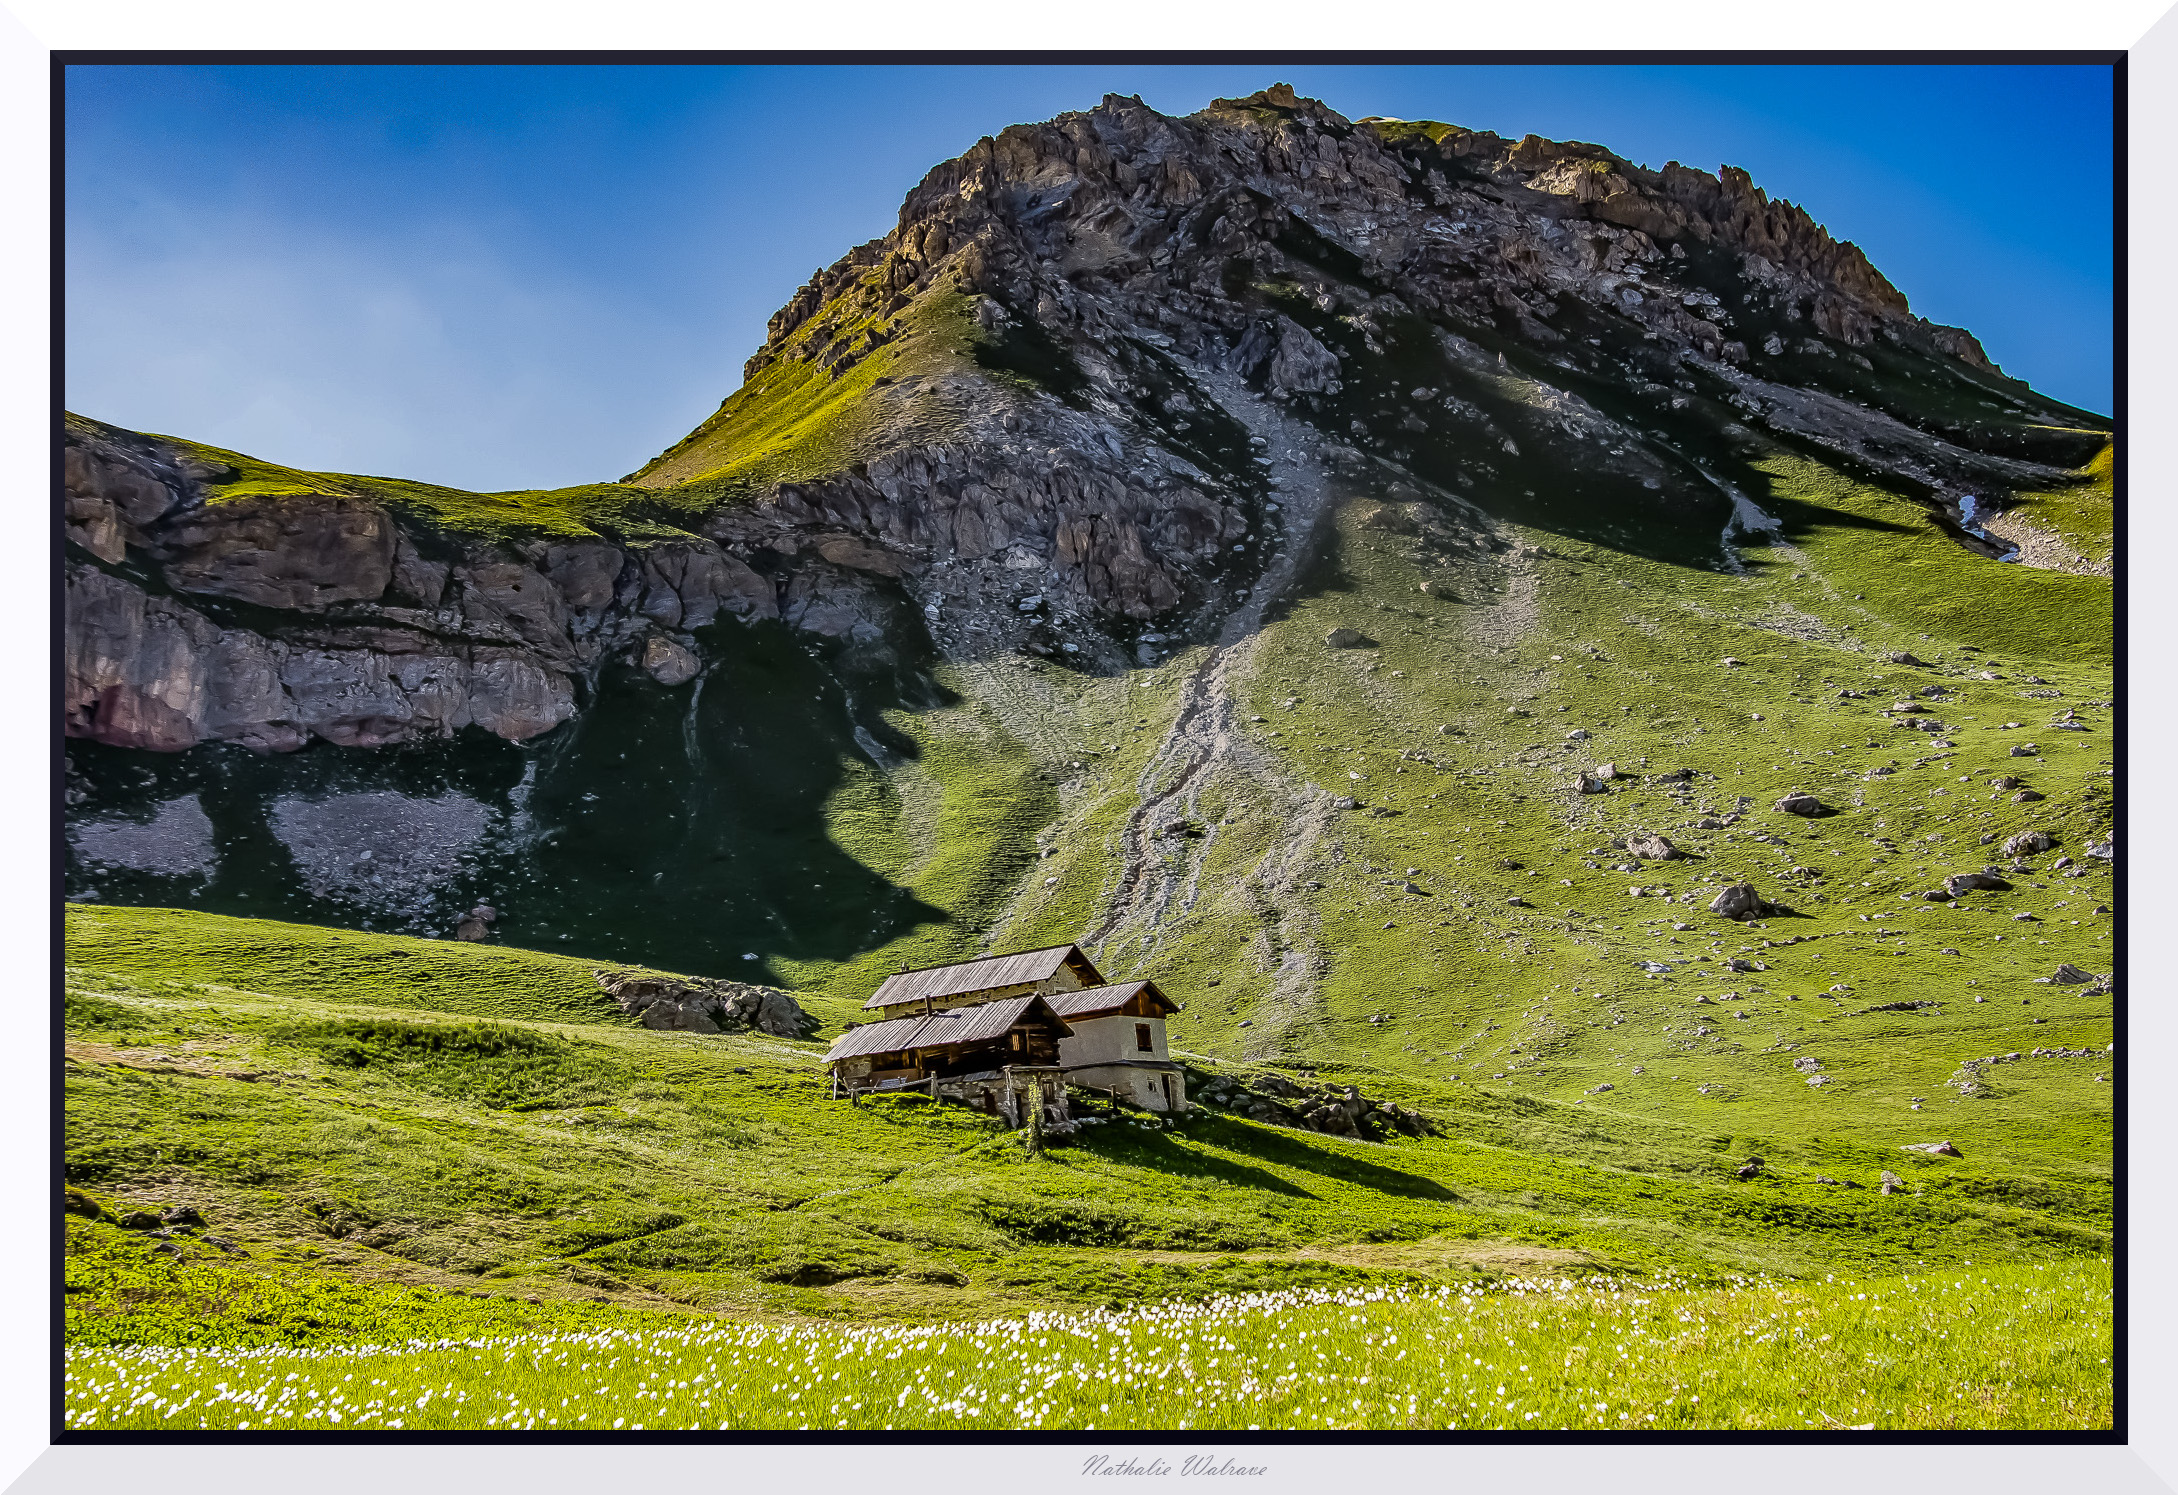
1541, 1353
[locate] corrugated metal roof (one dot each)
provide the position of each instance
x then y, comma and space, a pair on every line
992, 1019
1095, 999
974, 975
980, 1024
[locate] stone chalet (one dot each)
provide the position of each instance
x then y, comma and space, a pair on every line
992, 1032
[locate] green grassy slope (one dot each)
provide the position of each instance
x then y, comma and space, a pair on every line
426, 1114
1552, 996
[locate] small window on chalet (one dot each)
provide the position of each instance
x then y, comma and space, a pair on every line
1142, 1038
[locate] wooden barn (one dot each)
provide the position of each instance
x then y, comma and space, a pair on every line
992, 1055
994, 1031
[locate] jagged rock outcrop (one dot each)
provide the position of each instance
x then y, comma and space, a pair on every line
1338, 1110
691, 1005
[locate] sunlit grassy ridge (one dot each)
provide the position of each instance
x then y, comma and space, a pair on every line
584, 511
1970, 1348
799, 418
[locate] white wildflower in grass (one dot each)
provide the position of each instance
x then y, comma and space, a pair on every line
2022, 1347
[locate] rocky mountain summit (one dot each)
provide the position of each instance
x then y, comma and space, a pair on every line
1035, 417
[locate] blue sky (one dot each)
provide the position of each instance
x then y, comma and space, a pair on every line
502, 277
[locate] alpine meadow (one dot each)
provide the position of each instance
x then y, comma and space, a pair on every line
1570, 730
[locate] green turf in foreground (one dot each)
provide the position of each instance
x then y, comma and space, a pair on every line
1967, 1347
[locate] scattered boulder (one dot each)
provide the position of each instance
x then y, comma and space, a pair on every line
476, 923
2023, 750
1652, 847
668, 662
1752, 1168
137, 1219
2104, 850
1892, 1183
1588, 783
1347, 638
2069, 974
2029, 843
1940, 1149
181, 1214
1958, 884
1739, 901
1346, 802
2027, 797
2004, 781
690, 1004
1800, 802
1904, 658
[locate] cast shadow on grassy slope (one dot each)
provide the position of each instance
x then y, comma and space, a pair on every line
683, 828
1274, 1146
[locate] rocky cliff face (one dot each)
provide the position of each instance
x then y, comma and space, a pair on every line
268, 621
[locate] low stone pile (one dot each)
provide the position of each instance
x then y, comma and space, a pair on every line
1338, 1110
166, 1229
1971, 1079
698, 1005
